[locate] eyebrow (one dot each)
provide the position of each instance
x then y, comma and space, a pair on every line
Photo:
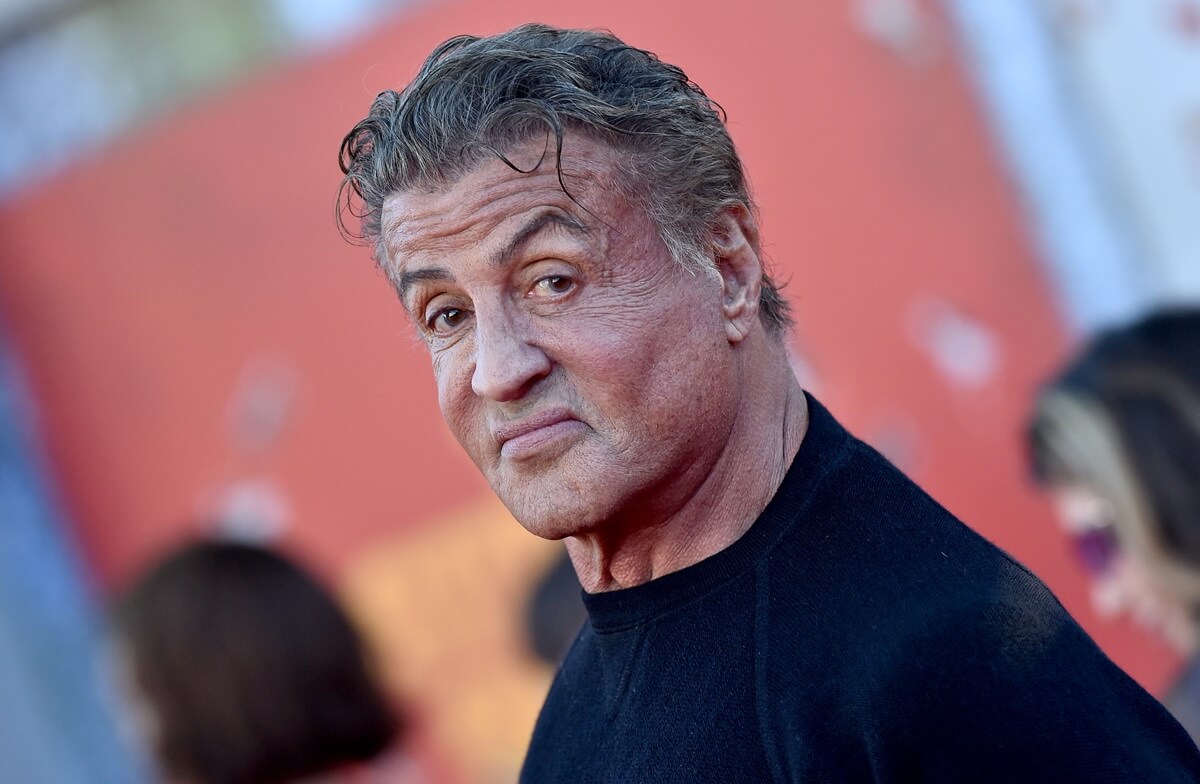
410, 278
532, 229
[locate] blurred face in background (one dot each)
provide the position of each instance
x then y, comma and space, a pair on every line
1120, 583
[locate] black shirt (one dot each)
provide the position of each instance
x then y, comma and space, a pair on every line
856, 632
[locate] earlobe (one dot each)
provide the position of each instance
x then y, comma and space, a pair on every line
735, 248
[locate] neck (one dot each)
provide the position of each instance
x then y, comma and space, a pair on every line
720, 507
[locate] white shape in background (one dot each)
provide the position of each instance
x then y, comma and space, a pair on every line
75, 74
325, 22
1135, 74
61, 94
900, 26
965, 352
254, 509
250, 510
1085, 241
17, 16
1191, 131
260, 405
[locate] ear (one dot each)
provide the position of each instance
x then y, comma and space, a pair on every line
735, 248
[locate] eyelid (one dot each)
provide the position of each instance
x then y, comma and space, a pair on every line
551, 267
418, 306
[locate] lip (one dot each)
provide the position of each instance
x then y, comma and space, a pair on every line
533, 434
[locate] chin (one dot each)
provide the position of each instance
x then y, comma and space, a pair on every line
555, 500
555, 524
550, 517
550, 532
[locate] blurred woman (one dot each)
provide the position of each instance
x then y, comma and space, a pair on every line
1116, 441
243, 670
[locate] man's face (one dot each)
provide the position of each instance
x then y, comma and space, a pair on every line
585, 372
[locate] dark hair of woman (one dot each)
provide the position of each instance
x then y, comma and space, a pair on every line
249, 670
1125, 418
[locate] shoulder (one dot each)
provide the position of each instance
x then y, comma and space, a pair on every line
872, 548
928, 646
999, 689
1013, 681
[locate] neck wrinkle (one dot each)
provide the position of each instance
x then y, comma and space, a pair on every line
725, 504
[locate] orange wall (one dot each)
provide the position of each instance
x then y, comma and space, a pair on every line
141, 283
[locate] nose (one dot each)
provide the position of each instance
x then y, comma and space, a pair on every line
507, 359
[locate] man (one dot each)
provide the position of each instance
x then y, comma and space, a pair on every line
568, 225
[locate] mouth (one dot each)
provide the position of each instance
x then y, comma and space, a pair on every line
537, 435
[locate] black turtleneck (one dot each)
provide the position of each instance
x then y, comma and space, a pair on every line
857, 632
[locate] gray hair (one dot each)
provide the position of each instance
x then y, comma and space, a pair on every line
475, 97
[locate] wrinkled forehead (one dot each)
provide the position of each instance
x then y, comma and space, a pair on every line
586, 181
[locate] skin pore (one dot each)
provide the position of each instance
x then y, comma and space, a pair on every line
611, 397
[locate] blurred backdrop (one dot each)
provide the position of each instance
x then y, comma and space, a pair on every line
956, 193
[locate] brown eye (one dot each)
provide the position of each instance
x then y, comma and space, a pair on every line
554, 284
447, 320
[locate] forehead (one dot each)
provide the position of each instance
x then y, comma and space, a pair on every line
469, 210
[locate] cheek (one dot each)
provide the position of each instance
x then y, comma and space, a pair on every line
646, 382
452, 375
613, 372
619, 335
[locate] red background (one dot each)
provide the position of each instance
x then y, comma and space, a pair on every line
140, 283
